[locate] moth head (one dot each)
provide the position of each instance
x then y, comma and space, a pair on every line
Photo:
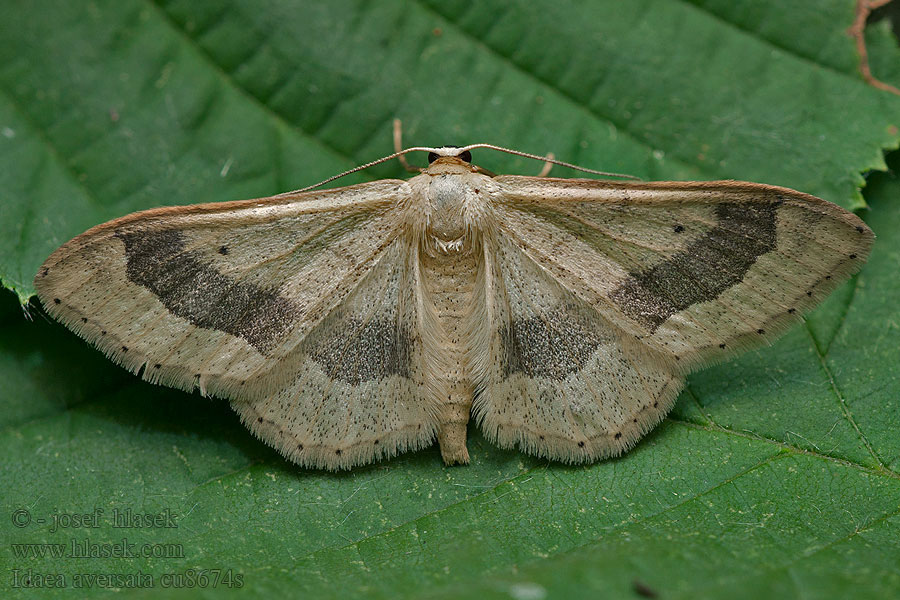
452, 151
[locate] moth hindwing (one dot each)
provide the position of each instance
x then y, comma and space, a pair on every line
348, 325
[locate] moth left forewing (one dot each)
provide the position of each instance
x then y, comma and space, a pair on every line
215, 296
696, 270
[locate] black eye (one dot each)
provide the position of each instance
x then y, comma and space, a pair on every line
432, 156
465, 156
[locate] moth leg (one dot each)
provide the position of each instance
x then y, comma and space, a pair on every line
545, 170
398, 147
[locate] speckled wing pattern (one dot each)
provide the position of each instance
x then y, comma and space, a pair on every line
603, 295
292, 307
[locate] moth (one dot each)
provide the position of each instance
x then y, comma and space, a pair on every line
349, 325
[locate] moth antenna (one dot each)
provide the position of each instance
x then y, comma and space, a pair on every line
548, 159
355, 169
398, 147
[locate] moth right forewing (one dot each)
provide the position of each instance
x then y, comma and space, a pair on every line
698, 270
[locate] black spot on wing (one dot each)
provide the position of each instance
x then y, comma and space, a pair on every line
711, 264
192, 289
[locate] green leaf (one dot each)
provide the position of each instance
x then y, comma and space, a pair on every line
777, 473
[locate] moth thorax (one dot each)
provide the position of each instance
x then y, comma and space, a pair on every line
446, 228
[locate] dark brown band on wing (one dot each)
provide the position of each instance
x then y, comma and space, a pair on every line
711, 264
193, 289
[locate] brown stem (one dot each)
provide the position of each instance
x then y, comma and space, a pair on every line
857, 31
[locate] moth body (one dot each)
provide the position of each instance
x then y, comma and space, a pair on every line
449, 193
349, 325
